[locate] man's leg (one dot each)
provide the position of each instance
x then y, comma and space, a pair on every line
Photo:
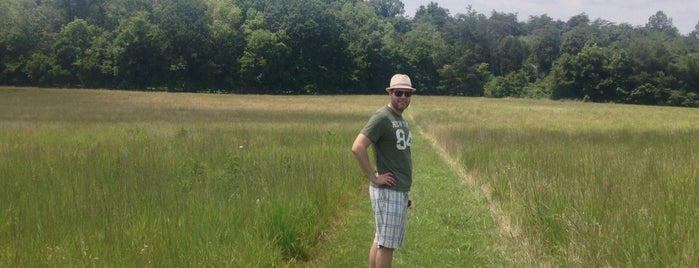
380, 257
372, 255
384, 257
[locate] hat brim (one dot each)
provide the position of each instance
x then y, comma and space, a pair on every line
388, 89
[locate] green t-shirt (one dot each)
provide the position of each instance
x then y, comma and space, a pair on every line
391, 139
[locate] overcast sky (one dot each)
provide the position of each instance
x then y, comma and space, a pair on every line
684, 13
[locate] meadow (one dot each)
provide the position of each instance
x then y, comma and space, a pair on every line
585, 185
109, 178
114, 178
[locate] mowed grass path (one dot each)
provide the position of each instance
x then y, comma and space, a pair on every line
450, 223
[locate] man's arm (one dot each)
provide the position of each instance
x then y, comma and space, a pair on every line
360, 151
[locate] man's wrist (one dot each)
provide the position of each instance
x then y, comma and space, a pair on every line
374, 177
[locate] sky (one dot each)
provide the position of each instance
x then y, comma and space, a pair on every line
684, 13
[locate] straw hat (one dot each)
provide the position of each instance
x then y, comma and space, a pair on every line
400, 81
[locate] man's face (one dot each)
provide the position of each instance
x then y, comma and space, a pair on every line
400, 99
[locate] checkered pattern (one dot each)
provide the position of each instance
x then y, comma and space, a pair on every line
391, 214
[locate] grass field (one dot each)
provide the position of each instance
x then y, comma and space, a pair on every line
113, 178
588, 185
134, 179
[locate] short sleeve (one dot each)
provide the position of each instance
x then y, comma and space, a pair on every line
373, 129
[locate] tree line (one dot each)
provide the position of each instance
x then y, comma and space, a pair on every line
342, 47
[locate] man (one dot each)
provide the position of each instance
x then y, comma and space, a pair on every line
390, 182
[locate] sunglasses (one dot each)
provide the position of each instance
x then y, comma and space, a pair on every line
401, 93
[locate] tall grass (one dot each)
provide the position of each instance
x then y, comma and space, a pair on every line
111, 178
591, 184
108, 178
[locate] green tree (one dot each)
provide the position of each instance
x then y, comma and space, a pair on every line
387, 8
185, 24
70, 46
500, 27
116, 10
25, 28
98, 67
621, 70
13, 41
694, 34
366, 35
424, 50
139, 53
544, 41
463, 77
433, 14
511, 85
320, 61
647, 94
578, 35
465, 35
690, 72
583, 76
511, 55
92, 11
650, 56
464, 70
42, 70
263, 65
662, 23
227, 42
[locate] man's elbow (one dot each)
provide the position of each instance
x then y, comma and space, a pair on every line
356, 148
359, 147
360, 144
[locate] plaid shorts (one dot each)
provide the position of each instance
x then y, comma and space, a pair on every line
391, 214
